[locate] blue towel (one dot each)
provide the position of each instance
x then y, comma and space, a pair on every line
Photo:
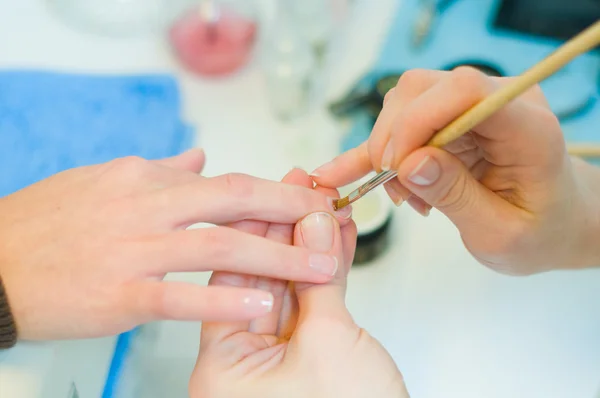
464, 32
50, 122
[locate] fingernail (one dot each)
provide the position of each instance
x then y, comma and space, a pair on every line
344, 213
419, 205
321, 169
392, 191
388, 95
426, 173
388, 156
259, 302
318, 233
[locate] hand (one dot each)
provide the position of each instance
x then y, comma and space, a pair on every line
309, 346
508, 185
83, 253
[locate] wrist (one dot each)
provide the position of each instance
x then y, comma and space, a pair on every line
587, 253
8, 328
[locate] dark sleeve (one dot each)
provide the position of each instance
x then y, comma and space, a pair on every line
8, 329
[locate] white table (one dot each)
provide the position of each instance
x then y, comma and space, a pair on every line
455, 328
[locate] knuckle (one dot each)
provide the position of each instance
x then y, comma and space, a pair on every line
216, 241
157, 304
411, 78
129, 166
458, 195
239, 186
470, 81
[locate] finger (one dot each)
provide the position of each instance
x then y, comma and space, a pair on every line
442, 181
235, 197
215, 332
192, 160
410, 85
160, 300
348, 232
225, 249
515, 135
321, 232
344, 169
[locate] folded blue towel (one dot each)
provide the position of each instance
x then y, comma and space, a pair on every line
50, 122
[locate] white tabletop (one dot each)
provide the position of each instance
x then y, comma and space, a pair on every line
455, 328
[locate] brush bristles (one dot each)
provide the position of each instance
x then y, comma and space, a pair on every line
341, 203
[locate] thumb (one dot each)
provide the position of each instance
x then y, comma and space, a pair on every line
320, 232
444, 182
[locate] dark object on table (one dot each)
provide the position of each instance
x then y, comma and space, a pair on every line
556, 19
371, 245
370, 99
483, 66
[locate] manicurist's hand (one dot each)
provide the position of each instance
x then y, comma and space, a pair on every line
309, 346
83, 253
521, 204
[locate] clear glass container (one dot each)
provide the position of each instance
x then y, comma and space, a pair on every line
116, 17
288, 64
315, 20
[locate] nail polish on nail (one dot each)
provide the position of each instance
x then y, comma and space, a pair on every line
260, 302
388, 156
323, 264
393, 193
317, 232
388, 95
419, 205
344, 213
426, 173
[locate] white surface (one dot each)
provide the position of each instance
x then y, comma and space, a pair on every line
455, 328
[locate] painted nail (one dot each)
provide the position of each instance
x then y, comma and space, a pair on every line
317, 234
344, 213
322, 169
426, 173
388, 156
259, 302
391, 187
388, 96
419, 205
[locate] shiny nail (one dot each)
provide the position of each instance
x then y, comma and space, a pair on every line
344, 213
388, 156
317, 231
259, 302
419, 205
426, 173
392, 191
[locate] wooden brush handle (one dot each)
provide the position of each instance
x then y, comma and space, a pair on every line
584, 150
583, 42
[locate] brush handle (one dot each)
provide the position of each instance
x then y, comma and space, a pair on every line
584, 150
583, 42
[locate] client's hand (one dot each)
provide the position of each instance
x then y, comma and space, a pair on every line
309, 346
83, 253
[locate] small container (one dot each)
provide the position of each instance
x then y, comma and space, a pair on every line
373, 215
215, 38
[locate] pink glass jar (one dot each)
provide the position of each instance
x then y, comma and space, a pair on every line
216, 43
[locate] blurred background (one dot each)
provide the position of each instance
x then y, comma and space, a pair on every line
266, 85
